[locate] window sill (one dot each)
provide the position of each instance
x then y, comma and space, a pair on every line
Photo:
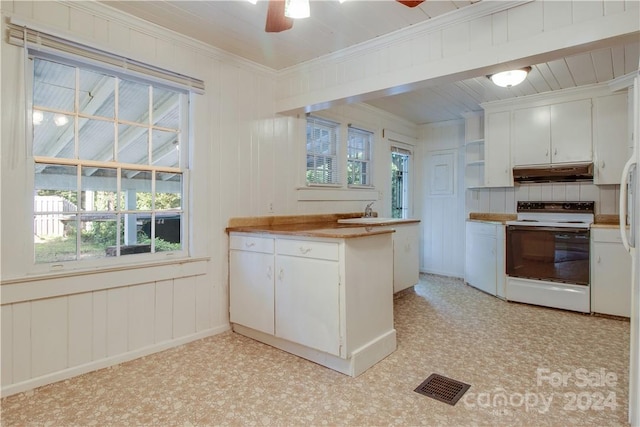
337, 194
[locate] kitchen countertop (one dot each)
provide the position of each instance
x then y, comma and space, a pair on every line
491, 217
601, 220
323, 225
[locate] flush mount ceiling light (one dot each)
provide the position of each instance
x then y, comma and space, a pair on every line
510, 78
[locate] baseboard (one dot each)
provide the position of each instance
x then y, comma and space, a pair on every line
361, 359
65, 374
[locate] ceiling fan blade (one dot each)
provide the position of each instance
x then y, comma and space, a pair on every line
410, 3
276, 21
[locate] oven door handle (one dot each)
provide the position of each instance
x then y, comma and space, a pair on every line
565, 230
624, 180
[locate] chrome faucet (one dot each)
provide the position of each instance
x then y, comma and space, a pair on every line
368, 212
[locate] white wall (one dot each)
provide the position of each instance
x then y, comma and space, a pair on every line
246, 161
503, 200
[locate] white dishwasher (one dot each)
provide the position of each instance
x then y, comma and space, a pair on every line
484, 256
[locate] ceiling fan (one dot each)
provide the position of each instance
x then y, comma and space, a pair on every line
277, 21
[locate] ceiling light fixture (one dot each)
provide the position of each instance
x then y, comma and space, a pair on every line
253, 1
297, 9
510, 78
60, 120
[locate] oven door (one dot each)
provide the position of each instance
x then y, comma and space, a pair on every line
556, 254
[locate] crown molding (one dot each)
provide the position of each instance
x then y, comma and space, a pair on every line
465, 14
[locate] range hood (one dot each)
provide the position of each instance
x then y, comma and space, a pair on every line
575, 172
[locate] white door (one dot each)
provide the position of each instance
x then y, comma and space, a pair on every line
251, 290
307, 302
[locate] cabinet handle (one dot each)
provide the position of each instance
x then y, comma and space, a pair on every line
281, 274
602, 164
599, 259
249, 244
304, 250
555, 152
546, 154
269, 273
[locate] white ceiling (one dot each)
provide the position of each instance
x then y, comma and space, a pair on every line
238, 27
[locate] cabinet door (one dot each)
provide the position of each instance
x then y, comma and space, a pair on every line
251, 290
571, 139
610, 141
481, 256
531, 136
405, 257
497, 163
308, 303
610, 279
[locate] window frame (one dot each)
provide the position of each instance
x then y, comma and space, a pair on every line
367, 160
335, 172
184, 146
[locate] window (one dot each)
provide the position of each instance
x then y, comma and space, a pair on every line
110, 162
400, 159
359, 149
322, 151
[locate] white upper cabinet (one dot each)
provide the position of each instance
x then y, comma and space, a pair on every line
531, 136
611, 137
497, 150
571, 139
556, 133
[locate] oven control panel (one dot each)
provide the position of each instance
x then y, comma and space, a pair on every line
565, 207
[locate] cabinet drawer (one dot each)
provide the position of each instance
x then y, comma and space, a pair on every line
308, 249
609, 235
250, 243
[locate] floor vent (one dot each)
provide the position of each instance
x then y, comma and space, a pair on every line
443, 389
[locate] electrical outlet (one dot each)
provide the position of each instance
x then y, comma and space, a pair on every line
270, 207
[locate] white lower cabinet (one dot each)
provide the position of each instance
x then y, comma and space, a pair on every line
327, 300
610, 273
251, 291
484, 257
406, 258
308, 296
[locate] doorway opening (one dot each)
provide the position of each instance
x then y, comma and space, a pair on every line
400, 161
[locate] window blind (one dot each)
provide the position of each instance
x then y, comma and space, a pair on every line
322, 151
43, 42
